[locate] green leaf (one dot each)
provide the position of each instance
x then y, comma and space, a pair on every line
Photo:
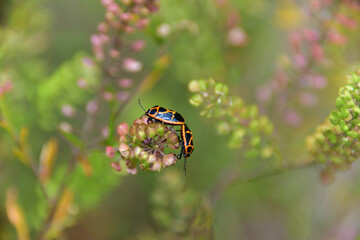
73, 139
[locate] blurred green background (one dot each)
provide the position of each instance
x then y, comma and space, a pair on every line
38, 37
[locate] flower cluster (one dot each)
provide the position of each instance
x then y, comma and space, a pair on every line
178, 211
243, 122
235, 34
145, 143
336, 142
297, 76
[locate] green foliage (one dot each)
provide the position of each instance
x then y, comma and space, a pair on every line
335, 142
62, 88
91, 185
233, 116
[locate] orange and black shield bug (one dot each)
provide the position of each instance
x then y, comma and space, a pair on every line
164, 115
187, 143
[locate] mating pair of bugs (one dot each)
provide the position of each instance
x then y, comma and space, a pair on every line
171, 117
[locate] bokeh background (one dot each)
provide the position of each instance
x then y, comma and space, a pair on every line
288, 58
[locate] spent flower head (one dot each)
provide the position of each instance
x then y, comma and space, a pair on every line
147, 144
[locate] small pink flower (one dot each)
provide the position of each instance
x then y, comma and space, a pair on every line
108, 96
138, 45
92, 107
95, 40
114, 53
319, 82
348, 22
236, 37
311, 35
132, 65
122, 129
112, 7
292, 118
125, 82
68, 110
82, 83
103, 27
105, 131
307, 99
65, 127
88, 62
263, 93
6, 87
317, 52
126, 17
116, 166
163, 30
122, 96
110, 152
106, 2
142, 23
132, 171
299, 61
336, 38
295, 39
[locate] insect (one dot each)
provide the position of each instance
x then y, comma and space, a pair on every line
164, 115
187, 143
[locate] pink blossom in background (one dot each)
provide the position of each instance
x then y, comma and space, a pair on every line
236, 37
92, 106
263, 93
132, 65
308, 99
68, 110
292, 118
5, 87
138, 45
125, 82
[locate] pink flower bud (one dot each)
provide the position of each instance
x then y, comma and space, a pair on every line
108, 96
123, 129
236, 37
92, 107
348, 22
114, 53
292, 118
317, 52
103, 27
132, 171
122, 96
6, 87
125, 82
311, 35
126, 17
138, 45
299, 61
336, 38
68, 110
88, 62
65, 127
82, 83
163, 30
105, 131
264, 93
319, 82
295, 39
116, 166
110, 152
112, 7
132, 65
307, 99
106, 2
142, 23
